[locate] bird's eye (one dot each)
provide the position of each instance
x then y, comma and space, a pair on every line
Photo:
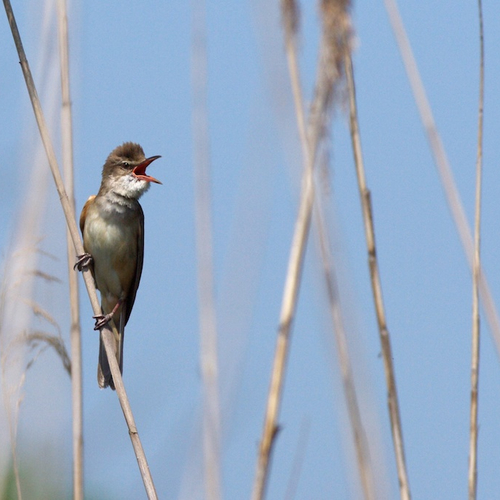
125, 164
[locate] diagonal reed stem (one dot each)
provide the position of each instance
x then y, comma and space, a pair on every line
443, 166
476, 274
75, 330
385, 341
77, 242
336, 26
365, 466
292, 283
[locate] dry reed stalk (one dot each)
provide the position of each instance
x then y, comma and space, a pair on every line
476, 274
385, 341
75, 330
77, 242
204, 251
335, 22
452, 196
290, 292
365, 466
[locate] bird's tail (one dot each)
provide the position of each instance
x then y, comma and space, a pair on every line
104, 377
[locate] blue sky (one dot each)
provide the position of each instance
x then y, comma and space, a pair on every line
131, 80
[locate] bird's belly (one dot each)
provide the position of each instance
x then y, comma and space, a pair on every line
113, 247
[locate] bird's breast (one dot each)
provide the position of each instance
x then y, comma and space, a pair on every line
111, 237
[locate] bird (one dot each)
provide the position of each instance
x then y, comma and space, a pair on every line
112, 225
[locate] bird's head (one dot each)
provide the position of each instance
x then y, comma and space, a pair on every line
124, 172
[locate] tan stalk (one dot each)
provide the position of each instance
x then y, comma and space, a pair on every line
476, 275
77, 242
290, 292
385, 341
365, 466
327, 77
204, 248
443, 166
75, 330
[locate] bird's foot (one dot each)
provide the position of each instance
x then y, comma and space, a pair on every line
83, 261
102, 320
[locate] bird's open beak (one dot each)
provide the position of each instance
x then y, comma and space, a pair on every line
140, 170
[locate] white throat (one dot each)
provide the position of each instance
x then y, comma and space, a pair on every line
123, 192
129, 186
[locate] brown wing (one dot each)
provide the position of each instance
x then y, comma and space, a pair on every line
138, 270
83, 215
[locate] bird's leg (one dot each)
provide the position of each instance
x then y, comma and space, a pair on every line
83, 261
103, 319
